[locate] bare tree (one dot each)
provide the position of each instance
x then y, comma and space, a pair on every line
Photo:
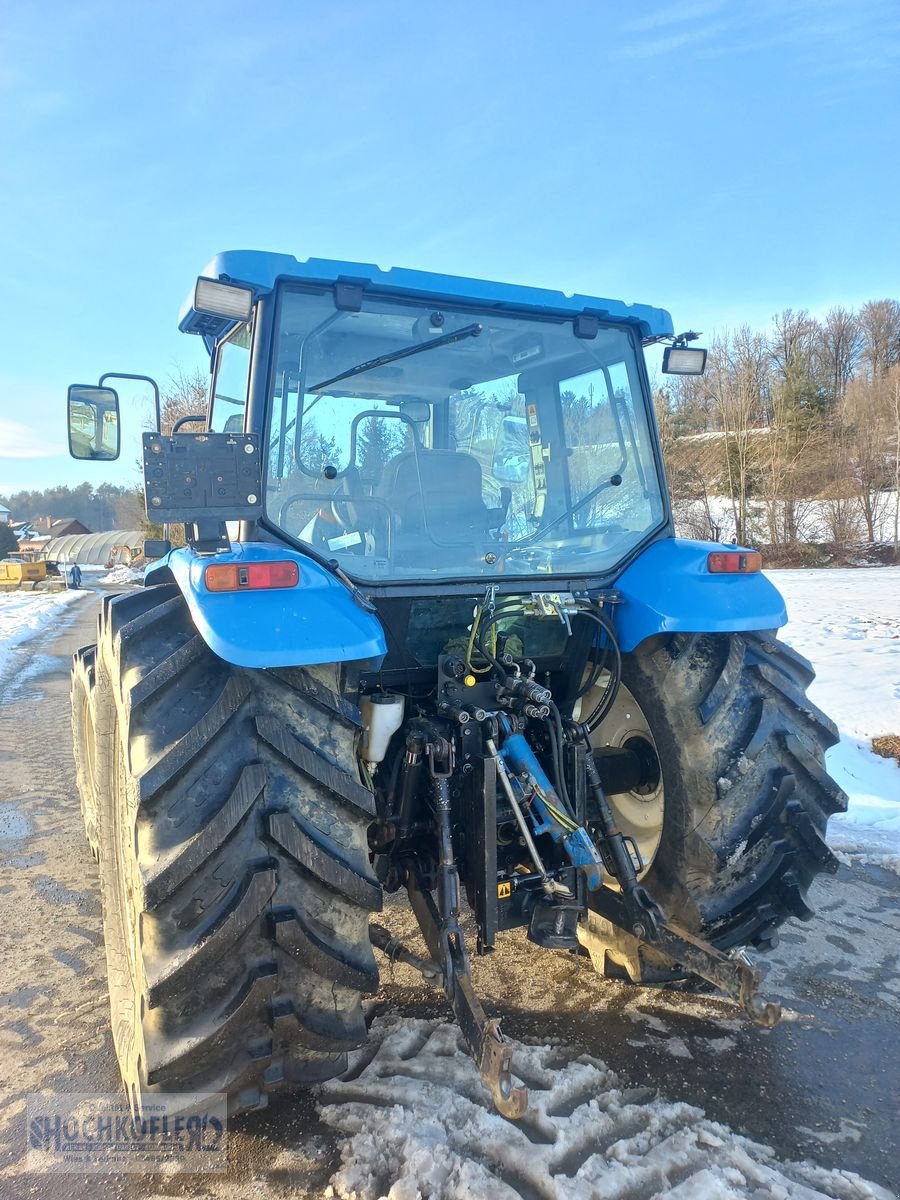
863, 433
735, 382
893, 397
797, 407
792, 343
662, 406
797, 429
791, 460
840, 345
840, 516
186, 395
691, 405
693, 509
880, 325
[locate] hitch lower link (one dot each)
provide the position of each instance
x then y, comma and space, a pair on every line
635, 911
734, 973
440, 927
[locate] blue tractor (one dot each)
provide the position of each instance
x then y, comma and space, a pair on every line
431, 631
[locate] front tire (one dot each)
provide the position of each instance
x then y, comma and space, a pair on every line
746, 797
234, 867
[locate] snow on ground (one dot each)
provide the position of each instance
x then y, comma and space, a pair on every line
847, 623
24, 613
117, 576
418, 1125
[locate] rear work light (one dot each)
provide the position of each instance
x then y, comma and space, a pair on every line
684, 360
223, 299
234, 577
734, 562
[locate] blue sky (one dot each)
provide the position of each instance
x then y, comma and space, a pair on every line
721, 159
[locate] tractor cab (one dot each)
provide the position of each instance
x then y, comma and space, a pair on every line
417, 442
429, 438
410, 429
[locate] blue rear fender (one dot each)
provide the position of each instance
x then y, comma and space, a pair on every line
667, 589
670, 589
317, 621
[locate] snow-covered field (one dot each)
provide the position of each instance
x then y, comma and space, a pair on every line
22, 614
847, 623
816, 520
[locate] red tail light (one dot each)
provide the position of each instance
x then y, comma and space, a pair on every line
234, 577
734, 562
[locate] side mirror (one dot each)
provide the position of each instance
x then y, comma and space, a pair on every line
156, 547
511, 460
93, 422
510, 467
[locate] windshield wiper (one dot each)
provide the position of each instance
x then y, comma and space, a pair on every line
445, 339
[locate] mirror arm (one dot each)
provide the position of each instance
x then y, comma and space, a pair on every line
195, 419
144, 379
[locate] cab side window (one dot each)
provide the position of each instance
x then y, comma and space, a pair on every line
232, 377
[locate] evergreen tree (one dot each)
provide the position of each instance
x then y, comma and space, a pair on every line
378, 441
9, 543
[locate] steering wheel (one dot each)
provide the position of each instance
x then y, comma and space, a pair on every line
343, 508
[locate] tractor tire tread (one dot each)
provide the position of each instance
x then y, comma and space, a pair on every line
755, 798
243, 805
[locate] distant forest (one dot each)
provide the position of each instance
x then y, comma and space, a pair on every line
792, 436
100, 509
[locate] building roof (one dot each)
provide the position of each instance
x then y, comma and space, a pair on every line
66, 525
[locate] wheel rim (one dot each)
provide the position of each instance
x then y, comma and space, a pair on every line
639, 814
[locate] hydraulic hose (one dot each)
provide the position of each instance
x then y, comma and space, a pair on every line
504, 608
609, 692
557, 743
498, 614
599, 654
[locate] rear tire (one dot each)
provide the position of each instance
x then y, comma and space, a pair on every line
234, 867
746, 794
84, 741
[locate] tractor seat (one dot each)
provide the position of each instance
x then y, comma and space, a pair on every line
440, 494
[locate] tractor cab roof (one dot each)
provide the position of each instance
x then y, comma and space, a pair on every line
261, 270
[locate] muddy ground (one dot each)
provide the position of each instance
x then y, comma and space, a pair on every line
823, 1085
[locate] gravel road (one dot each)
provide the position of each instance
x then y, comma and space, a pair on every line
822, 1086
